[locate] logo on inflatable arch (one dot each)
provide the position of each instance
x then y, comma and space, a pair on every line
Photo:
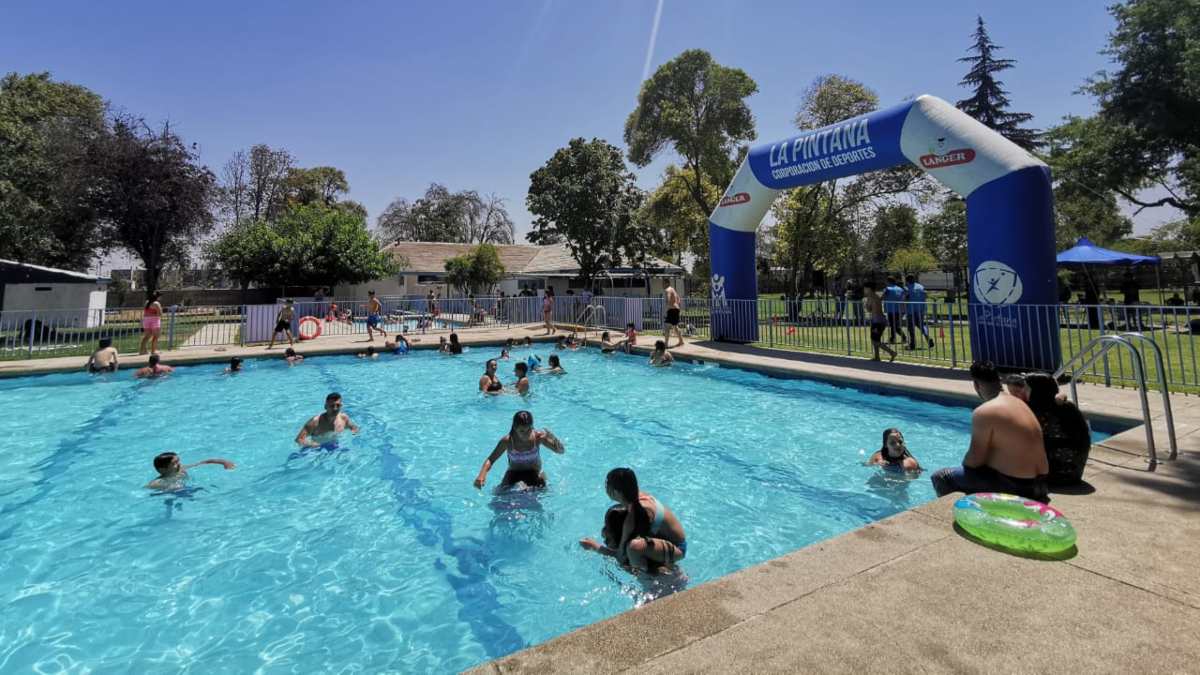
735, 199
718, 292
952, 158
996, 283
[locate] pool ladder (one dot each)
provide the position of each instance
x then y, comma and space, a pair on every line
589, 317
1097, 349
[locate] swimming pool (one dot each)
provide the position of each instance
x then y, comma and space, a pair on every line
383, 555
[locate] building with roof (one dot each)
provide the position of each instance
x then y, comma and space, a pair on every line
526, 267
68, 298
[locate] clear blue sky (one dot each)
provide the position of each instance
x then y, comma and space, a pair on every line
479, 94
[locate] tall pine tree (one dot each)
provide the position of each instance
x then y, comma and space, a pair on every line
989, 104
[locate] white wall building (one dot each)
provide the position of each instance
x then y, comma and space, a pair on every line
61, 297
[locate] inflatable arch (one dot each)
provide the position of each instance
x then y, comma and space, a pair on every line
1010, 222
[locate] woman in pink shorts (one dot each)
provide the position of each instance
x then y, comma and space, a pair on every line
151, 323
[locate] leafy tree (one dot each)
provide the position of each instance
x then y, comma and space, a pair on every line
1145, 134
896, 227
326, 246
321, 185
695, 106
46, 129
911, 260
442, 215
478, 269
677, 225
247, 252
586, 197
809, 236
989, 102
152, 193
267, 189
944, 234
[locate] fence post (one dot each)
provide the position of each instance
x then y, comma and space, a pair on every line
242, 327
951, 311
171, 329
32, 330
849, 339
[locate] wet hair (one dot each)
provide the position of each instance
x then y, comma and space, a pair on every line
235, 363
105, 343
614, 523
523, 418
503, 353
554, 362
985, 372
454, 337
660, 345
154, 359
521, 368
604, 335
1042, 391
883, 444
163, 460
333, 396
624, 482
528, 340
489, 363
151, 299
370, 350
290, 352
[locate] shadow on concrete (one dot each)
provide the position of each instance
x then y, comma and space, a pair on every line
1029, 555
1081, 488
1179, 479
907, 369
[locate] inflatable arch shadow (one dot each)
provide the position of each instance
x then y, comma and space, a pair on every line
1010, 222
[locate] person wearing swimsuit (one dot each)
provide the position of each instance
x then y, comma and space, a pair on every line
489, 383
894, 453
151, 323
548, 310
666, 542
523, 445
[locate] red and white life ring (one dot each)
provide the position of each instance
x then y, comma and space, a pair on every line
310, 327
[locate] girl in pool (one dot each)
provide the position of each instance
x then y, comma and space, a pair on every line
665, 543
489, 383
523, 444
614, 525
894, 454
555, 367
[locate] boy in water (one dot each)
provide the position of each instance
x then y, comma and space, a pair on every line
661, 357
292, 357
283, 323
630, 338
322, 430
172, 473
235, 365
154, 369
104, 359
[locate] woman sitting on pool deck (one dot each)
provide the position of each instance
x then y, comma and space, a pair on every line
489, 383
522, 443
894, 453
666, 542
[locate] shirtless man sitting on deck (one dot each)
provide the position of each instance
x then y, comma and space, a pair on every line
1006, 453
322, 430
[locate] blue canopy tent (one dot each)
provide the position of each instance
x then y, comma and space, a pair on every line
1085, 253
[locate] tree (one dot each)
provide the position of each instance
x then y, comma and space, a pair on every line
586, 197
989, 102
809, 236
676, 223
944, 234
326, 246
911, 260
896, 227
1145, 133
441, 215
152, 193
46, 130
696, 106
321, 185
267, 189
478, 269
233, 193
247, 252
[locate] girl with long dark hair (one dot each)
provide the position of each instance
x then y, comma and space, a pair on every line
151, 323
523, 444
664, 540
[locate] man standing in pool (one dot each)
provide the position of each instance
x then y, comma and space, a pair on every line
1007, 453
374, 309
322, 430
172, 473
671, 321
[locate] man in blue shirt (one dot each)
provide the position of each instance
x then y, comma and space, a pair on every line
893, 295
915, 295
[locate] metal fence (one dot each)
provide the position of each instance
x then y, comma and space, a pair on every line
929, 332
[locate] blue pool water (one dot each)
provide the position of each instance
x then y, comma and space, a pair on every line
384, 556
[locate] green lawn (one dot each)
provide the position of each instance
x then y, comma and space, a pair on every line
126, 337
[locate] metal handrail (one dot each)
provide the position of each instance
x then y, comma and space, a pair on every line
1107, 342
1162, 382
590, 319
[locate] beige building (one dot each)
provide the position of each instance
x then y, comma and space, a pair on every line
525, 267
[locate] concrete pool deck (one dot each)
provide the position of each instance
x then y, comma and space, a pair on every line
909, 593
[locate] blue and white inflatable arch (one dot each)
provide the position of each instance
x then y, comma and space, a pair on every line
1010, 222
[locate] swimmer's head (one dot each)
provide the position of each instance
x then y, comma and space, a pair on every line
454, 338
333, 403
614, 523
522, 368
893, 443
604, 335
621, 485
522, 421
508, 342
660, 346
235, 364
370, 350
105, 343
491, 364
290, 352
554, 362
154, 359
504, 353
528, 340
1043, 391
166, 463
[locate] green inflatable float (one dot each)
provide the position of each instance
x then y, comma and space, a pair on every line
1014, 523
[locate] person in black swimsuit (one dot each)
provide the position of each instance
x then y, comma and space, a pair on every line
894, 453
489, 383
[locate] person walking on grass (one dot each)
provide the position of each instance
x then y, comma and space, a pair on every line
914, 293
671, 321
893, 296
151, 323
283, 323
879, 322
